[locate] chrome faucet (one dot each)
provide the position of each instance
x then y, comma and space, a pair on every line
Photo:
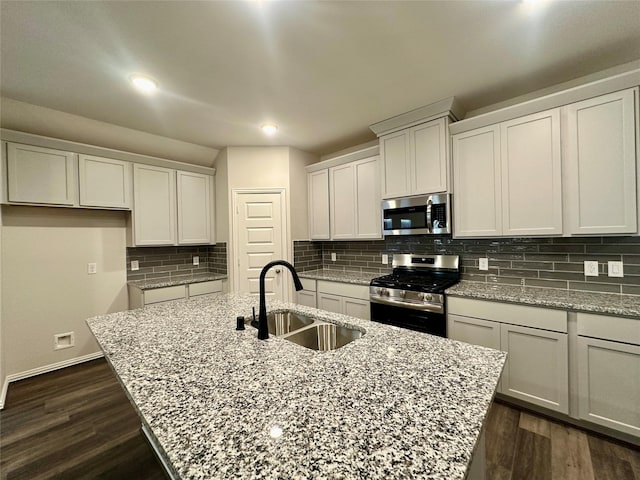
263, 328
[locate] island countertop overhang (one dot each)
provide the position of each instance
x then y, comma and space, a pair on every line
392, 404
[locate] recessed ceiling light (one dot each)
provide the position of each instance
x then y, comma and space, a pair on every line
143, 83
269, 128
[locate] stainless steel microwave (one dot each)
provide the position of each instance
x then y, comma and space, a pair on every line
426, 214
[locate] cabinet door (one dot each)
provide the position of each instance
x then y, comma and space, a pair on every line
476, 175
306, 297
318, 183
104, 182
355, 307
40, 175
396, 169
537, 368
194, 208
608, 384
429, 156
368, 202
154, 208
600, 165
531, 175
342, 201
474, 331
330, 303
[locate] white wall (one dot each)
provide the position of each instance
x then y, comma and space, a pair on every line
25, 117
46, 288
222, 198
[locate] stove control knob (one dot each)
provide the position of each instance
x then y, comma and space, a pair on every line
427, 297
385, 292
382, 291
378, 291
403, 293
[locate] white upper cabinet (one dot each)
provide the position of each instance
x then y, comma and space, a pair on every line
600, 164
318, 185
194, 207
355, 200
154, 210
368, 201
477, 204
171, 207
508, 178
415, 160
430, 156
40, 175
104, 182
342, 201
396, 169
531, 175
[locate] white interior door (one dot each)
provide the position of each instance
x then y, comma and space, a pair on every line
259, 234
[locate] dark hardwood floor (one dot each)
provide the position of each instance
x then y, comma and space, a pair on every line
77, 423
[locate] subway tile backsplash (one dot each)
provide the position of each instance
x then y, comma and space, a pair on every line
540, 262
165, 263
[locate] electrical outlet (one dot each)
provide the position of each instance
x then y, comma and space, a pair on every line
333, 256
615, 269
590, 268
385, 259
135, 265
196, 260
92, 268
483, 263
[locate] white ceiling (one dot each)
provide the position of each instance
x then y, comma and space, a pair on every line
323, 71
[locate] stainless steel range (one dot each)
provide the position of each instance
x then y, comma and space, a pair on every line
412, 296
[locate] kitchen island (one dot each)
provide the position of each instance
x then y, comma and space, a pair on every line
219, 403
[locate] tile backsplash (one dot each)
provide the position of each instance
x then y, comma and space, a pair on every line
160, 263
543, 262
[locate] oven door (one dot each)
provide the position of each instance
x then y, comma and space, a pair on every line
421, 321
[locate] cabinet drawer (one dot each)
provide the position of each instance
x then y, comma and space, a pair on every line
344, 289
535, 317
204, 288
164, 294
308, 284
618, 329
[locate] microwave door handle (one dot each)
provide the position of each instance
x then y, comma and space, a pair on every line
429, 219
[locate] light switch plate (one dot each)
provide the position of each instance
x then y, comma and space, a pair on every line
92, 268
135, 265
590, 268
483, 263
196, 260
385, 259
615, 269
333, 256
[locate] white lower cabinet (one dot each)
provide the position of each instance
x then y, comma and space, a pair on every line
609, 372
536, 342
139, 298
537, 368
307, 296
345, 298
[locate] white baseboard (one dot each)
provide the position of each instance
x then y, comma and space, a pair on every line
14, 377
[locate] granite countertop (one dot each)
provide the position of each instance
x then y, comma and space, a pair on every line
392, 404
357, 278
572, 300
151, 284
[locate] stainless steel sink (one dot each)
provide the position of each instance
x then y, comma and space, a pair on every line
309, 332
281, 323
324, 336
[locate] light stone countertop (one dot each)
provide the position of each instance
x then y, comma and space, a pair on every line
185, 280
571, 300
392, 404
357, 278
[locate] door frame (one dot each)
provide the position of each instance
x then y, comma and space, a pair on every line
234, 277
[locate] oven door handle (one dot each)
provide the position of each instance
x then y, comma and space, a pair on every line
425, 307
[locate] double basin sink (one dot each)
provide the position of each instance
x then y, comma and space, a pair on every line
310, 332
